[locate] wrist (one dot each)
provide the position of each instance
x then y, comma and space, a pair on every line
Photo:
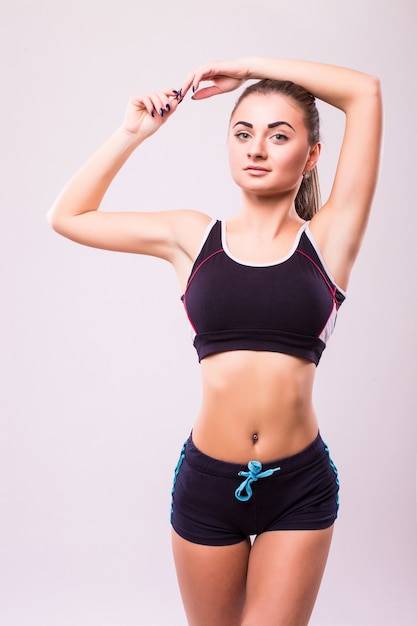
128, 139
256, 67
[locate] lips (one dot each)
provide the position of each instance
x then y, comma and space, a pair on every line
256, 169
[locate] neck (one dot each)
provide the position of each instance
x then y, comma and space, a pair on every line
267, 214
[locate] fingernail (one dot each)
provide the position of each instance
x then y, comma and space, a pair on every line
168, 108
193, 88
153, 113
161, 112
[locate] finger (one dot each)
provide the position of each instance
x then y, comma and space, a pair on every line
207, 92
187, 84
148, 103
202, 73
162, 103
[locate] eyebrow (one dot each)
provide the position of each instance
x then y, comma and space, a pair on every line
272, 125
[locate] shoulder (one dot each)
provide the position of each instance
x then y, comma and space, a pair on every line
189, 223
188, 227
191, 217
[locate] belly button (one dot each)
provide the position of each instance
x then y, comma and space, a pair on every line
255, 437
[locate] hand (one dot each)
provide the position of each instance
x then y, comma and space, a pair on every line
224, 75
148, 112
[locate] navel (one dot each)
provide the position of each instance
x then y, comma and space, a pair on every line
255, 437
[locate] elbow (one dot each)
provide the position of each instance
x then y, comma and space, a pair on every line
367, 86
368, 97
56, 222
52, 220
372, 87
376, 86
376, 98
365, 93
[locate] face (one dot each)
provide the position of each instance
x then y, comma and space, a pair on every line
268, 145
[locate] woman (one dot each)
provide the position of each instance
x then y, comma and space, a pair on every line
262, 292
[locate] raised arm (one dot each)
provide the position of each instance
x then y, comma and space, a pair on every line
340, 225
75, 212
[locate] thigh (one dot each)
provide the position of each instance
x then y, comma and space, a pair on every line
212, 581
284, 575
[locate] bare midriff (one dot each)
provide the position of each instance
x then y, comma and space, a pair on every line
256, 406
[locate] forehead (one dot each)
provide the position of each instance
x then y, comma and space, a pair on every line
265, 109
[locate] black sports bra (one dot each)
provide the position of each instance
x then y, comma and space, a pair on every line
289, 306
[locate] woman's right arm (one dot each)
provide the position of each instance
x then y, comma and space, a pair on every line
75, 213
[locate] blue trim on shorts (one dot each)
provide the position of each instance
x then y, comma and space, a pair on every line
334, 468
176, 472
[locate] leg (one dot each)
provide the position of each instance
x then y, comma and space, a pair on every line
284, 574
212, 581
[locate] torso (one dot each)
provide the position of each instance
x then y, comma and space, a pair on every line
256, 405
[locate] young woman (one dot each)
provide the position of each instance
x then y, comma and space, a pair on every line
262, 292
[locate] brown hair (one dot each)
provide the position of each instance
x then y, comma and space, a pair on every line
308, 200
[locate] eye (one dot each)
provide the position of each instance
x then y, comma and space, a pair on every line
242, 135
280, 138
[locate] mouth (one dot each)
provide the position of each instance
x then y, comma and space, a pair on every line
256, 169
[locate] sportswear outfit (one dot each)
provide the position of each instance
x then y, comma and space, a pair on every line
288, 306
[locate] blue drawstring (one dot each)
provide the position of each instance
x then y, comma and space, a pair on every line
255, 472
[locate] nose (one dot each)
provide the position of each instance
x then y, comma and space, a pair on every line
256, 149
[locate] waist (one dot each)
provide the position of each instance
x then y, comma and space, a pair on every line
211, 465
255, 402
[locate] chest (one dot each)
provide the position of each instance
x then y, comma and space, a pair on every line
293, 296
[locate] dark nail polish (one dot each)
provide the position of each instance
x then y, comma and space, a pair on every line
168, 108
153, 113
161, 112
193, 88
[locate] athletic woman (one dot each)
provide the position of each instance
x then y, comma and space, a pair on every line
255, 492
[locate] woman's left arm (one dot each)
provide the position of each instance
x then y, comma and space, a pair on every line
339, 226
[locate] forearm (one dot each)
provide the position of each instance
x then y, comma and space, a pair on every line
338, 86
83, 194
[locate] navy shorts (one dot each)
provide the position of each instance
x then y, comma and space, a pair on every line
217, 503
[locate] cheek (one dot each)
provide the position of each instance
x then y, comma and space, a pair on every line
293, 161
235, 157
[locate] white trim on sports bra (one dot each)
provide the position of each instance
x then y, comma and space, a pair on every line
277, 262
205, 235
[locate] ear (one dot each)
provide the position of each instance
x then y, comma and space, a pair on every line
313, 157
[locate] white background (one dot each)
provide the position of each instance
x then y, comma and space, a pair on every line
99, 380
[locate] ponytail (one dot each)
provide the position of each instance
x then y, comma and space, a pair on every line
308, 199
